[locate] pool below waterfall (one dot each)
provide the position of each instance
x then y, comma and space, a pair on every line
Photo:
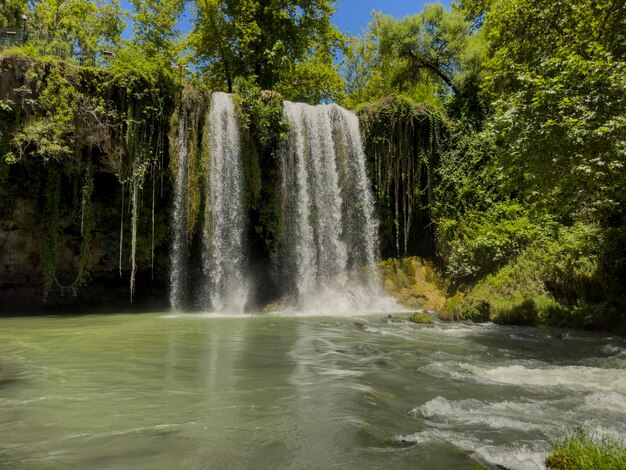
159, 391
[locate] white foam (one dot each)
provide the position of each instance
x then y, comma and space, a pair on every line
520, 457
578, 378
575, 378
613, 402
498, 415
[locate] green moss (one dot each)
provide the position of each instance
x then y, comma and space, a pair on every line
582, 450
421, 318
403, 142
192, 110
413, 283
63, 113
49, 252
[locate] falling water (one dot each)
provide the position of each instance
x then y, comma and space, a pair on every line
329, 240
224, 255
178, 254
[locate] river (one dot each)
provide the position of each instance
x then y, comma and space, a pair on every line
156, 391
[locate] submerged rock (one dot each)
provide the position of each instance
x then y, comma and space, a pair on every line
421, 318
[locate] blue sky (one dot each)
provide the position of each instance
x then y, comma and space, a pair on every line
352, 16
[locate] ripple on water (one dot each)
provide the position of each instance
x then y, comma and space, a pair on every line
521, 456
612, 402
471, 412
575, 378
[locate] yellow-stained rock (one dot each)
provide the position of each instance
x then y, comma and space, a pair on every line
413, 283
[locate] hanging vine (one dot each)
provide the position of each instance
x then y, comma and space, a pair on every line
76, 122
49, 252
403, 144
147, 99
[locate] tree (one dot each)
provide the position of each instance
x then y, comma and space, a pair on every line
557, 81
288, 46
11, 13
155, 26
427, 57
83, 24
358, 67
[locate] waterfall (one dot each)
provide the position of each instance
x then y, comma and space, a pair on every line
224, 260
178, 253
329, 240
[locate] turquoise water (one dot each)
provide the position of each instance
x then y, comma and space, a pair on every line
164, 392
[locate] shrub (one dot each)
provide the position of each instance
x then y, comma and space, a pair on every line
583, 450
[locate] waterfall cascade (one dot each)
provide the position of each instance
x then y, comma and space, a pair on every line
330, 235
178, 254
224, 256
328, 240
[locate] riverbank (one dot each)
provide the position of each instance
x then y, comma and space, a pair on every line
514, 295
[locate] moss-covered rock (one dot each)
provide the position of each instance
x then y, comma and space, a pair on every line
413, 282
421, 318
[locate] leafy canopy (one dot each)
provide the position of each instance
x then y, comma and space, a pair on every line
427, 57
287, 46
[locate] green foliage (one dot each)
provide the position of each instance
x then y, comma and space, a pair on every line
584, 449
63, 27
403, 143
142, 78
357, 68
154, 27
483, 241
288, 46
50, 131
11, 13
477, 311
265, 128
557, 77
529, 205
558, 277
426, 57
262, 113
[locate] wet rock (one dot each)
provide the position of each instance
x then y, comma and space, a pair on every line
413, 283
400, 442
421, 318
608, 350
391, 319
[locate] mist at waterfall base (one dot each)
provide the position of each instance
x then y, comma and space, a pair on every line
328, 241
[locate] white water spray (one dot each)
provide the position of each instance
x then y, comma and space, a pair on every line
329, 241
224, 260
178, 254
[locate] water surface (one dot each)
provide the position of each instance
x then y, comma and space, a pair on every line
163, 392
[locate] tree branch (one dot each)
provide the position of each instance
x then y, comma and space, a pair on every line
421, 63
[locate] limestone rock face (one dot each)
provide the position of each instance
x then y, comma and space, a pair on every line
25, 210
19, 244
413, 283
22, 237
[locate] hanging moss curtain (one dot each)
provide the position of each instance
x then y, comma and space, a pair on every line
403, 142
